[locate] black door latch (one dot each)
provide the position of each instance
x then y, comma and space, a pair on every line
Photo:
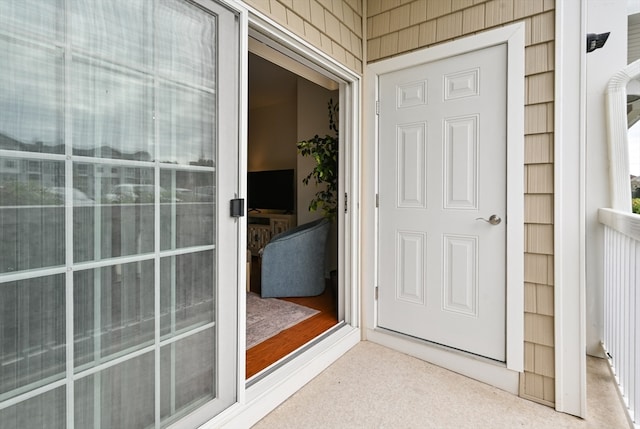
237, 207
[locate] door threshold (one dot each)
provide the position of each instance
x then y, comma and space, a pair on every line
473, 366
265, 391
291, 356
442, 347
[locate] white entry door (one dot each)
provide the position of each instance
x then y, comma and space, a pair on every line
442, 218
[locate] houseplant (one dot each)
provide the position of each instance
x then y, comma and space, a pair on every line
324, 151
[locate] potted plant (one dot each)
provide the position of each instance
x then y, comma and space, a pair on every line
324, 151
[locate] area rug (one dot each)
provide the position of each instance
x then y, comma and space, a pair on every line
267, 317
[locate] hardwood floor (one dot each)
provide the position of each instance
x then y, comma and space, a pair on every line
275, 348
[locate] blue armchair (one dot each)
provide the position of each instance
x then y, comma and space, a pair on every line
293, 262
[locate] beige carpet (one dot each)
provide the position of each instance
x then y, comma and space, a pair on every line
267, 317
375, 387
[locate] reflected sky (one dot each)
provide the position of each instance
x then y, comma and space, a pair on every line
118, 85
30, 93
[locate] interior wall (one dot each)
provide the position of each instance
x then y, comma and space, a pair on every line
313, 119
272, 137
394, 28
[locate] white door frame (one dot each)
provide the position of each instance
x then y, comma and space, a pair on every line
259, 398
503, 376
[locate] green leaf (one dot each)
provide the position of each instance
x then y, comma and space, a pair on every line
324, 151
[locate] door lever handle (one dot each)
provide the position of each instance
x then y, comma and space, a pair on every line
493, 219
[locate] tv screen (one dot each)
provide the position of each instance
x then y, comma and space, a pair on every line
271, 190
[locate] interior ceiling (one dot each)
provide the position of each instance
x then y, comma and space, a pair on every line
269, 84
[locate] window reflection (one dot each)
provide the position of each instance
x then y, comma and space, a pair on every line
121, 396
43, 411
187, 122
113, 29
186, 293
113, 311
187, 212
31, 214
191, 59
30, 104
32, 333
94, 92
121, 220
112, 112
187, 369
39, 17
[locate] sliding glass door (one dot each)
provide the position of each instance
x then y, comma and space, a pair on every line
118, 258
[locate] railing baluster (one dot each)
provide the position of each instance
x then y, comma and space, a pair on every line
621, 333
624, 321
635, 321
607, 287
630, 323
616, 310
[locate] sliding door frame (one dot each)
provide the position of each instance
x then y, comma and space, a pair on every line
259, 397
222, 389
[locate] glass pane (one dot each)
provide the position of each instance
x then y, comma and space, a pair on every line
113, 311
187, 286
118, 397
113, 211
38, 17
186, 125
121, 85
186, 42
187, 210
46, 411
187, 372
115, 29
31, 102
32, 334
112, 113
31, 214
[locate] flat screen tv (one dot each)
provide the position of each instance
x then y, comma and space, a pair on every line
271, 190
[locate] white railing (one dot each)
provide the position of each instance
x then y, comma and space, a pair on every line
622, 303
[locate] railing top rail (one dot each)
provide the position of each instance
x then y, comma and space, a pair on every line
623, 222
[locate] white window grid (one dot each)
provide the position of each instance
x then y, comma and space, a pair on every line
72, 375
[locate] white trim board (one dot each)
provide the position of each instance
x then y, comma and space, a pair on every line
514, 37
569, 208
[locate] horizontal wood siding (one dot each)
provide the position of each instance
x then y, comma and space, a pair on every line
333, 26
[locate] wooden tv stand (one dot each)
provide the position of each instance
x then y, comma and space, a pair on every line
263, 225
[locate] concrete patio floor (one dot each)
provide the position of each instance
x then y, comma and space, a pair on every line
372, 386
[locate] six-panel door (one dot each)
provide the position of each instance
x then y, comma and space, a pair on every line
442, 175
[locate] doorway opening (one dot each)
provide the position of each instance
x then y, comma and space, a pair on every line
287, 104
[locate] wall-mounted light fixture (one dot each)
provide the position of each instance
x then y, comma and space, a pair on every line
596, 41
